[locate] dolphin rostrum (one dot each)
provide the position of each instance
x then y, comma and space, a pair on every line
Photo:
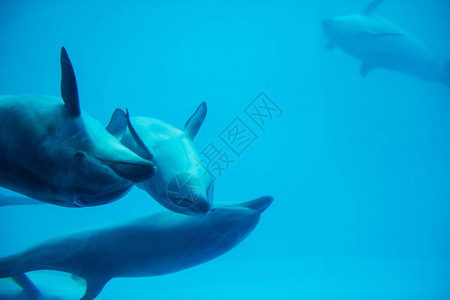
155, 245
54, 152
379, 43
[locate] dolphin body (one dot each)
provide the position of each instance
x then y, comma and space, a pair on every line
379, 43
182, 183
58, 154
155, 245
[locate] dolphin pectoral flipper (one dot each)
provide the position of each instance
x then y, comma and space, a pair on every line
195, 121
28, 287
370, 8
365, 69
118, 124
69, 90
93, 287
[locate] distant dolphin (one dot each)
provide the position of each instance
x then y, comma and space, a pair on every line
57, 154
155, 245
379, 43
182, 183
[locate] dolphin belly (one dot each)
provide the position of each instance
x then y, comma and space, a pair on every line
154, 245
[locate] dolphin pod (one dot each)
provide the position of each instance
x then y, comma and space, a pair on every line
155, 245
54, 152
182, 184
379, 43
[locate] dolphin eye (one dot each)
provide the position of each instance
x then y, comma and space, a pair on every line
79, 155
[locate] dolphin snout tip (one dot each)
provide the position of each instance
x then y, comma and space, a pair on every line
144, 172
260, 204
203, 206
265, 202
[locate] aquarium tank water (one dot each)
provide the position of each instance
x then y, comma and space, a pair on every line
339, 110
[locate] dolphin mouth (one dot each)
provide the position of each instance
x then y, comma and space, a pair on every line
203, 207
189, 206
260, 204
131, 171
182, 202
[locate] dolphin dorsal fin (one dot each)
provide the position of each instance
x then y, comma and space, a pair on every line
195, 121
370, 8
137, 139
69, 91
118, 124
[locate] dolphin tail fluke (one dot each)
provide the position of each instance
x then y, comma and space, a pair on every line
93, 287
30, 290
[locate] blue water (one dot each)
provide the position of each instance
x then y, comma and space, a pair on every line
359, 168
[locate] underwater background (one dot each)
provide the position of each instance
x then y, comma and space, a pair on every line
359, 168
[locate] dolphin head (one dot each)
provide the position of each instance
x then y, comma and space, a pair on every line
353, 30
116, 156
81, 159
225, 226
92, 165
245, 214
89, 136
182, 182
341, 29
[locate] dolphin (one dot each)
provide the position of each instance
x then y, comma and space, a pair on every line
182, 183
381, 44
158, 244
54, 152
